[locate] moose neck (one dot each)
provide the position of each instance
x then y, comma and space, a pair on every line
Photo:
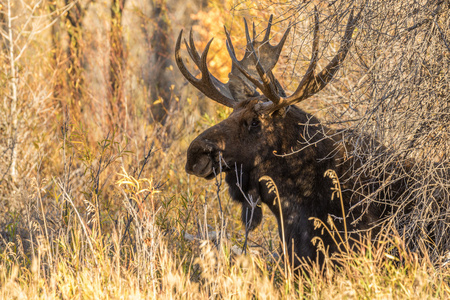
296, 160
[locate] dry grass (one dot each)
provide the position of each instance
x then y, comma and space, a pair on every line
80, 259
79, 262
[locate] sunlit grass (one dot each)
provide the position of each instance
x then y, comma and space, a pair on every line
153, 259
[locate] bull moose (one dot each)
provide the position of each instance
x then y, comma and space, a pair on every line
267, 137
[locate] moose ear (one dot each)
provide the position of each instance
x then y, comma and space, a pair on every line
261, 109
282, 111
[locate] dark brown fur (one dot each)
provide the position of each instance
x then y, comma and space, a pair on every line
266, 138
255, 145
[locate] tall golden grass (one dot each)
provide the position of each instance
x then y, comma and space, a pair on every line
81, 261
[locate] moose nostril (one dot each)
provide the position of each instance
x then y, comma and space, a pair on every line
200, 165
199, 157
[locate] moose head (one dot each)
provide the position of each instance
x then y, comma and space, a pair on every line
267, 138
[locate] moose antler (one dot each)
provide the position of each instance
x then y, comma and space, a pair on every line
238, 87
255, 71
269, 85
311, 83
208, 84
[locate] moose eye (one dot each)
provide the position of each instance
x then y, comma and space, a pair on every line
254, 123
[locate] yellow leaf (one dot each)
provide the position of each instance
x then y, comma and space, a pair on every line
391, 257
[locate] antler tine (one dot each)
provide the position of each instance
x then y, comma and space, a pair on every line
269, 26
192, 50
280, 45
247, 34
203, 63
315, 48
208, 84
328, 72
309, 75
191, 78
227, 34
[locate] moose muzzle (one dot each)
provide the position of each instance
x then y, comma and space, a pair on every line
200, 159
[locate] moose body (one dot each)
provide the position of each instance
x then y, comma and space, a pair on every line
267, 138
249, 148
